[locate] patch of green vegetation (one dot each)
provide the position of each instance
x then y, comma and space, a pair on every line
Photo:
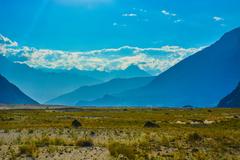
29, 150
120, 150
194, 137
172, 133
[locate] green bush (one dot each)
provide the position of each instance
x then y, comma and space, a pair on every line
194, 137
117, 149
29, 150
45, 141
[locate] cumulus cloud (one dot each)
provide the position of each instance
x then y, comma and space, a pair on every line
129, 15
216, 18
178, 21
174, 16
154, 60
166, 13
6, 41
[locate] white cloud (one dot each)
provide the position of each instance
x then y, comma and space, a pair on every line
166, 13
143, 10
7, 41
115, 24
154, 60
216, 18
129, 15
178, 21
174, 15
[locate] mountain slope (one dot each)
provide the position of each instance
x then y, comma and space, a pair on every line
40, 85
232, 100
200, 80
88, 93
10, 94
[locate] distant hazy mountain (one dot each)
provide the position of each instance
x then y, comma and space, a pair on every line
88, 93
101, 102
130, 72
232, 100
40, 85
10, 94
200, 80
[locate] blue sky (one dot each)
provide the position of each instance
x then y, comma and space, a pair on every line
85, 25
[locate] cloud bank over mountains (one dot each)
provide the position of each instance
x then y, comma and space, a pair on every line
153, 60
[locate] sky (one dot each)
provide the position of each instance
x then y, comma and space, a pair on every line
111, 34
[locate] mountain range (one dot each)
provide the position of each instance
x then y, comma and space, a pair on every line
45, 85
200, 80
131, 71
232, 100
41, 85
10, 94
88, 93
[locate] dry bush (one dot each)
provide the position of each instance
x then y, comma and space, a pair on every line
85, 142
194, 137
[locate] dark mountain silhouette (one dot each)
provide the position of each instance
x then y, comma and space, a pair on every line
232, 100
88, 93
200, 80
41, 85
10, 94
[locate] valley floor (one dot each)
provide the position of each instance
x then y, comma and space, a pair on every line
119, 134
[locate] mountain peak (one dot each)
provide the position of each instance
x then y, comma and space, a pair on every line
133, 68
199, 80
231, 36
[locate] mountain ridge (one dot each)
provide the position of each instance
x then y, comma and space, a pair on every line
87, 93
10, 94
232, 100
34, 82
200, 80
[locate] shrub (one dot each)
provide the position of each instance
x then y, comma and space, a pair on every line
92, 134
58, 142
30, 131
150, 124
86, 142
29, 150
76, 124
117, 149
6, 131
45, 141
194, 137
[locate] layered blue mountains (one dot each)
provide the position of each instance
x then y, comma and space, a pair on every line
200, 80
90, 93
43, 85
